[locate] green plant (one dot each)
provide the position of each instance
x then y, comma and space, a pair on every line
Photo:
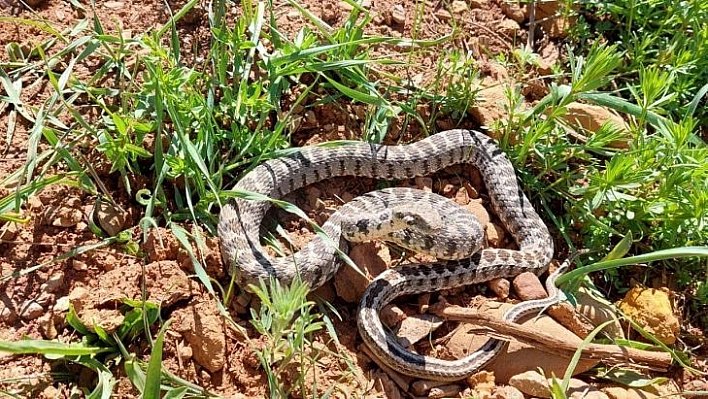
286, 320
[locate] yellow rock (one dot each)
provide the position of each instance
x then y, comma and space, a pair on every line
651, 309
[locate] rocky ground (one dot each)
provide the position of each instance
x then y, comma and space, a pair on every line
200, 346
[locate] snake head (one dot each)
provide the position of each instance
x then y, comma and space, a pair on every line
417, 216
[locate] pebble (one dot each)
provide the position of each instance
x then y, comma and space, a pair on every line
531, 383
391, 315
422, 387
495, 235
31, 310
479, 211
414, 328
651, 308
398, 14
507, 392
54, 282
500, 286
62, 304
111, 218
445, 391
458, 7
528, 287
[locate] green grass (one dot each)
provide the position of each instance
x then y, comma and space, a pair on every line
193, 130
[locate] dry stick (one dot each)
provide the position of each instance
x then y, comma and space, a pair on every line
606, 353
532, 25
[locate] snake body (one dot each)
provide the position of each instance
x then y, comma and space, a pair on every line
317, 262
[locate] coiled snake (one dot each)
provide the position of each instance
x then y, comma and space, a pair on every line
240, 221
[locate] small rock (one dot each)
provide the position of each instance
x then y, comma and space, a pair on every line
54, 282
462, 197
47, 327
458, 7
111, 218
391, 315
184, 352
7, 315
479, 211
202, 327
61, 305
578, 389
531, 383
495, 235
398, 14
371, 258
31, 310
61, 216
387, 385
528, 287
445, 391
500, 286
507, 392
9, 231
443, 15
422, 387
415, 328
592, 117
490, 107
508, 27
482, 381
79, 265
651, 309
513, 11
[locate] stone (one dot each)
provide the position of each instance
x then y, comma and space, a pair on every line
391, 315
507, 392
462, 197
414, 328
528, 287
443, 15
30, 310
422, 387
479, 211
203, 328
458, 7
490, 107
54, 282
110, 217
508, 27
695, 386
518, 357
592, 117
9, 231
371, 258
482, 381
398, 14
651, 308
500, 286
495, 235
445, 391
531, 383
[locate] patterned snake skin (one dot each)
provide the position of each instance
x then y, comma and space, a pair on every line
240, 221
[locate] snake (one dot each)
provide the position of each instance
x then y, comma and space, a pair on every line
461, 261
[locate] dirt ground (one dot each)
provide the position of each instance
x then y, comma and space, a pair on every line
200, 347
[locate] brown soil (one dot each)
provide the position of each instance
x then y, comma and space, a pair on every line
200, 345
